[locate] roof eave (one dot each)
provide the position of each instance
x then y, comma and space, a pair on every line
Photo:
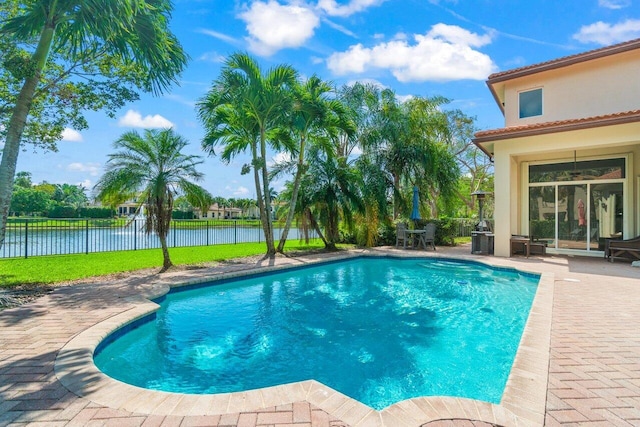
483, 149
565, 127
564, 62
496, 97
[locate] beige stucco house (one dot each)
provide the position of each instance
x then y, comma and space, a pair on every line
567, 161
219, 212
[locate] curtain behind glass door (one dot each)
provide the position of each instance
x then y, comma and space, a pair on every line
606, 213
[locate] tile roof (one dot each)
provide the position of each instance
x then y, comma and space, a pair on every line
565, 61
616, 174
557, 126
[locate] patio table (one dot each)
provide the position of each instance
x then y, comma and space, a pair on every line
527, 244
416, 237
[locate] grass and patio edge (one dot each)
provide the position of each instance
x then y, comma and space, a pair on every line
49, 270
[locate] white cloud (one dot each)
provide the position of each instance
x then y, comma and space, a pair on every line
332, 8
211, 57
445, 53
180, 100
134, 119
240, 191
87, 183
92, 169
404, 98
273, 26
71, 135
217, 35
279, 158
614, 4
605, 34
401, 36
372, 82
340, 28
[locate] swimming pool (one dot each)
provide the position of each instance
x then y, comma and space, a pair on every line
379, 330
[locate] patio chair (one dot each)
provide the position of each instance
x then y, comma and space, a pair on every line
429, 237
401, 235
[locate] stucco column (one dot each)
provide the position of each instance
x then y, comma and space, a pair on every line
505, 187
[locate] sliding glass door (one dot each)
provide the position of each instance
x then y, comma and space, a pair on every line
582, 213
573, 221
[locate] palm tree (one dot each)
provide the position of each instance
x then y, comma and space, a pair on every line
153, 167
133, 32
330, 195
244, 110
70, 195
408, 141
315, 119
364, 104
430, 131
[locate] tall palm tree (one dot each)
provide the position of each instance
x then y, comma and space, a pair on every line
153, 168
134, 32
315, 119
244, 110
364, 103
407, 140
430, 132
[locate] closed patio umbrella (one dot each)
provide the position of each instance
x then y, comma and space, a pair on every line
415, 212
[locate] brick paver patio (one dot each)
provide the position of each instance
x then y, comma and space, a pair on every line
593, 375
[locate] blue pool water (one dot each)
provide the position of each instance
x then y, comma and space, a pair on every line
379, 330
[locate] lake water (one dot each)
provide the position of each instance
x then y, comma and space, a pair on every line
74, 239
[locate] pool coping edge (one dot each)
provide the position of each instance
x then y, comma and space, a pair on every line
523, 401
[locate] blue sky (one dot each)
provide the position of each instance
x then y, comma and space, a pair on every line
415, 47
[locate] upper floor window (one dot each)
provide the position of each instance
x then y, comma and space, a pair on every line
530, 103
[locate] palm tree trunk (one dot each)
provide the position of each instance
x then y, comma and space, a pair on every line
166, 263
332, 229
294, 196
271, 249
433, 204
17, 123
396, 191
316, 227
258, 184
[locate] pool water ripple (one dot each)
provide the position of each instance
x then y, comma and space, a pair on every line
379, 330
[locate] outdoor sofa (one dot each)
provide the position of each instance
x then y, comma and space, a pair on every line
627, 249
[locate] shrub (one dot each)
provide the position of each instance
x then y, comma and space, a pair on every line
96, 213
183, 215
62, 212
446, 230
387, 234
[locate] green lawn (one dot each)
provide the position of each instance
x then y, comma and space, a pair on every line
62, 268
462, 240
